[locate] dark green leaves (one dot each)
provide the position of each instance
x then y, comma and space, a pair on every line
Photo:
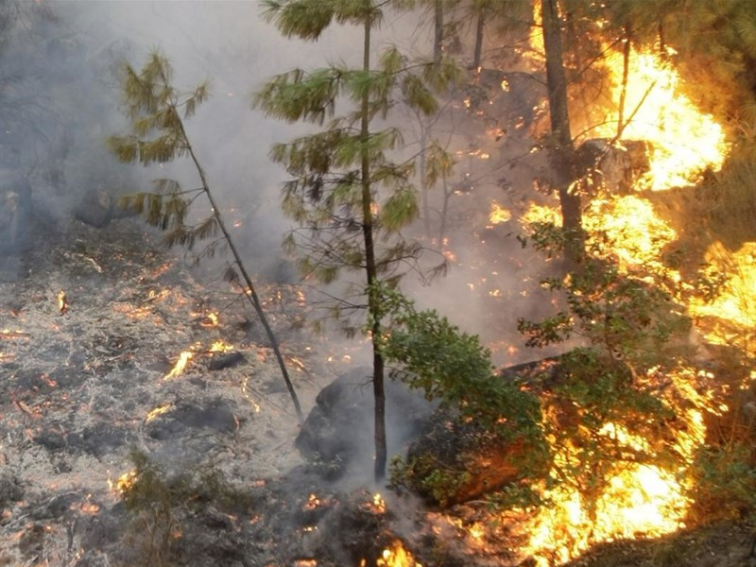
297, 96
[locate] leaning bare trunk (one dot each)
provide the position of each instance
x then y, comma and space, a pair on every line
252, 293
625, 75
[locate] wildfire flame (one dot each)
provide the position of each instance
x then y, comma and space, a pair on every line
123, 483
397, 556
62, 302
498, 214
158, 411
220, 346
180, 365
685, 141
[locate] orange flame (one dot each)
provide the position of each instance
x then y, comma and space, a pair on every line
685, 140
158, 411
62, 302
498, 214
180, 365
397, 556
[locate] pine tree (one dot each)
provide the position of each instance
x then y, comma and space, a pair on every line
350, 199
157, 112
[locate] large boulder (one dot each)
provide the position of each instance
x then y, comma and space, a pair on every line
339, 431
615, 166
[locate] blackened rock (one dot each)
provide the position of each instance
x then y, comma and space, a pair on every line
15, 213
98, 440
50, 440
95, 208
339, 430
226, 361
10, 491
216, 415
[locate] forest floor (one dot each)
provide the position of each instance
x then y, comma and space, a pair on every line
86, 382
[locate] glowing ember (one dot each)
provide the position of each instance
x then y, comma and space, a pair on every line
158, 411
220, 346
498, 214
178, 369
123, 483
685, 141
62, 302
89, 508
210, 320
312, 502
397, 556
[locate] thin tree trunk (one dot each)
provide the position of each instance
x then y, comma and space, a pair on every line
372, 273
479, 28
562, 154
438, 40
422, 167
252, 295
625, 75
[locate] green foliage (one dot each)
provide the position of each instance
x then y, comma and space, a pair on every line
346, 192
430, 477
157, 111
491, 413
724, 486
449, 365
630, 317
158, 503
307, 19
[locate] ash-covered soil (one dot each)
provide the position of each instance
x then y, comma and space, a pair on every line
84, 384
86, 391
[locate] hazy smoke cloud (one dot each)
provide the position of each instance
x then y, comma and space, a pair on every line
67, 57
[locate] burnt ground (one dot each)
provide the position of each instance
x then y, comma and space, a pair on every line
82, 388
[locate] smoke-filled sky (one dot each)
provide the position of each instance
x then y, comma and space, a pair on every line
225, 42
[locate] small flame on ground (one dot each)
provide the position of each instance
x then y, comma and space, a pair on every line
210, 320
158, 411
62, 302
123, 483
220, 346
397, 556
498, 214
180, 365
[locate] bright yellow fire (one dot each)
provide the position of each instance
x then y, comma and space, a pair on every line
158, 411
634, 234
638, 499
498, 214
180, 365
685, 141
732, 314
221, 346
397, 556
123, 483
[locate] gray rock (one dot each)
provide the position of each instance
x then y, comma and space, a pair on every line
339, 430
